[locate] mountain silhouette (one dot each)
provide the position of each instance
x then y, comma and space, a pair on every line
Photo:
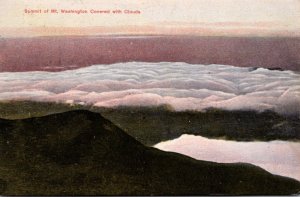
81, 153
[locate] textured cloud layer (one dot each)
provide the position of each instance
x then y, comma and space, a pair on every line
278, 157
183, 86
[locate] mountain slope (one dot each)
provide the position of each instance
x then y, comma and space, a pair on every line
81, 153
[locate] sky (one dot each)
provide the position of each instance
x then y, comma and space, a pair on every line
156, 17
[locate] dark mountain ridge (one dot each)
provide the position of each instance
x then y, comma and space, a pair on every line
81, 153
151, 125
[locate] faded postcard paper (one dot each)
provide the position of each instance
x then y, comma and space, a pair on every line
140, 97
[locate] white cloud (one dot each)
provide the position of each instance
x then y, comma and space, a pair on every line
277, 157
183, 86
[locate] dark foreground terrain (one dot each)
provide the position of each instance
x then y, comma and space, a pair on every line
82, 153
151, 125
69, 52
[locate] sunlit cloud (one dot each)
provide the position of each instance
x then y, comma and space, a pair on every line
180, 85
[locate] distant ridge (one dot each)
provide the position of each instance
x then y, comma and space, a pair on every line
81, 153
151, 125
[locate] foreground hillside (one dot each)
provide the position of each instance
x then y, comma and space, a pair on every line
82, 153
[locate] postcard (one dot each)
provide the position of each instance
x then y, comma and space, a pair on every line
141, 97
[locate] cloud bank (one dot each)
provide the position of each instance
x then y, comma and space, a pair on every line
183, 86
277, 157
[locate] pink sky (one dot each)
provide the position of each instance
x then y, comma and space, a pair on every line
199, 17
